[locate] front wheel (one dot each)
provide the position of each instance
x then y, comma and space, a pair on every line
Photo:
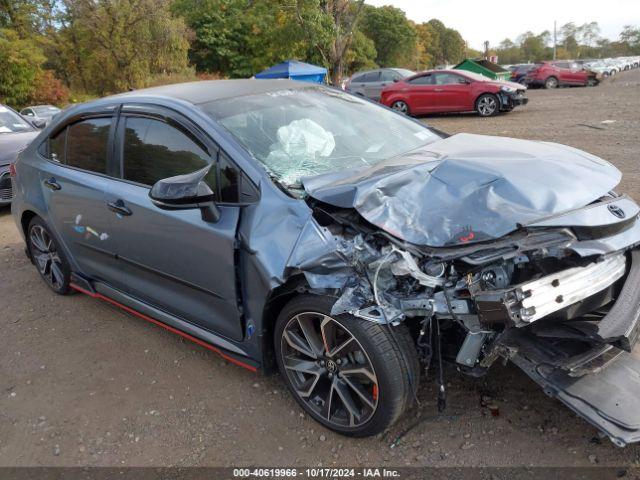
592, 82
487, 105
353, 376
400, 106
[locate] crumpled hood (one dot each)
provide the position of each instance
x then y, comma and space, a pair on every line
468, 188
13, 143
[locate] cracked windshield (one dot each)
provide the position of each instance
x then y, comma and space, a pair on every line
316, 131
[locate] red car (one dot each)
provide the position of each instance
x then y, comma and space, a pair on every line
441, 91
554, 74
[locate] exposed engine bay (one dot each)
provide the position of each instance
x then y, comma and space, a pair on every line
555, 293
529, 278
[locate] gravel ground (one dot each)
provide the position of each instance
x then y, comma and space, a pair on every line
82, 383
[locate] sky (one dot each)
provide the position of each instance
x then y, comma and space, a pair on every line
495, 20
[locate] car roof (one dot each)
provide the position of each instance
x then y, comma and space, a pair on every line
205, 91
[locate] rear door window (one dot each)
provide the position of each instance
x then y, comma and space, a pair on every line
423, 80
389, 76
370, 77
87, 143
447, 79
154, 150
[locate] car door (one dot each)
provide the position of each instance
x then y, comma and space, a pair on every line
451, 92
386, 77
174, 259
421, 95
563, 73
73, 184
372, 86
578, 75
360, 83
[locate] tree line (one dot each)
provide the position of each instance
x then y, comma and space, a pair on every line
57, 51
572, 42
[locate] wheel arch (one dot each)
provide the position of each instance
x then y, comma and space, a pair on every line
278, 297
25, 220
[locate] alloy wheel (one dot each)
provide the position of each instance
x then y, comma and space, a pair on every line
46, 257
401, 107
487, 106
329, 370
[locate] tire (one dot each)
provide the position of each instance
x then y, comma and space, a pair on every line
551, 82
401, 106
49, 259
592, 82
487, 105
374, 367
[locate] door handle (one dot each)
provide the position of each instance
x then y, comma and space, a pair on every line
438, 90
51, 184
119, 207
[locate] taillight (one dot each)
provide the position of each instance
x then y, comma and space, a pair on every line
12, 170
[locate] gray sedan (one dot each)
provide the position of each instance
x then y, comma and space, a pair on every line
292, 226
370, 83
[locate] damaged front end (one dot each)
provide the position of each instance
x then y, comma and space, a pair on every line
561, 302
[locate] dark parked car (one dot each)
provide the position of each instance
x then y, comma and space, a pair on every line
15, 135
40, 113
370, 83
445, 91
519, 72
560, 73
294, 225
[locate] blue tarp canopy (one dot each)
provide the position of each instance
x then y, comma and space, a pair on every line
295, 71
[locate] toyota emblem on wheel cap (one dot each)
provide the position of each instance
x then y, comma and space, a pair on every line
616, 211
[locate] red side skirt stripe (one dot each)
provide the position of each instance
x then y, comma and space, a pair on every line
166, 327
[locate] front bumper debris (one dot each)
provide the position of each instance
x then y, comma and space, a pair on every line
511, 100
531, 301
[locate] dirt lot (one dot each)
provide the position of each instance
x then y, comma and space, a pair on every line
84, 384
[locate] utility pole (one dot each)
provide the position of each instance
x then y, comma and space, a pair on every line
486, 49
554, 39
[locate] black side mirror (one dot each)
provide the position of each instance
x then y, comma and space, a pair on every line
396, 80
185, 192
39, 123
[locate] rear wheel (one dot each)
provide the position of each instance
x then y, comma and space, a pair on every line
487, 105
353, 376
551, 82
400, 106
48, 258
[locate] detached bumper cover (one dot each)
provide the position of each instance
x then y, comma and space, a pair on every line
602, 385
607, 399
621, 325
